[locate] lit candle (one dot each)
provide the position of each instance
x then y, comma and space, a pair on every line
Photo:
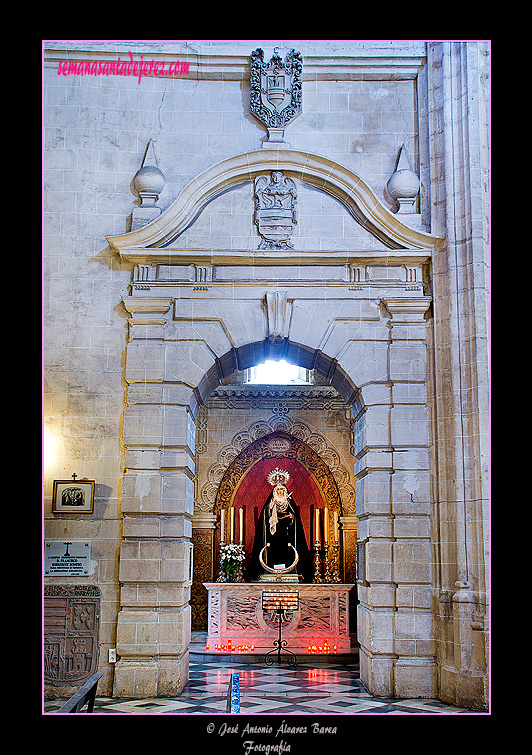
222, 528
317, 526
241, 526
326, 525
232, 524
335, 526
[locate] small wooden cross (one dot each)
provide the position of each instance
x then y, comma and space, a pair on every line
74, 475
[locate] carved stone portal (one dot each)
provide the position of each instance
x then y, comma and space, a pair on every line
275, 210
71, 633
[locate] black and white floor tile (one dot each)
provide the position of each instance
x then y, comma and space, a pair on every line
325, 689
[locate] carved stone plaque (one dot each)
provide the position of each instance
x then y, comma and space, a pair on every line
275, 88
71, 633
279, 445
275, 210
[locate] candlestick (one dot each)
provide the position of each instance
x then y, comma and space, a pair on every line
335, 575
326, 525
241, 526
317, 526
326, 568
335, 526
222, 528
317, 570
232, 530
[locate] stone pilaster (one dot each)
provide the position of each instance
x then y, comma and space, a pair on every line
155, 567
457, 95
393, 507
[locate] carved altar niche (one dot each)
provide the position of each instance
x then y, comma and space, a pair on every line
271, 409
236, 616
244, 485
71, 633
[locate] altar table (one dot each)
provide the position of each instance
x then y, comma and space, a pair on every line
236, 616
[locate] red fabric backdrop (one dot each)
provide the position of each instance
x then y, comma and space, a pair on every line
254, 489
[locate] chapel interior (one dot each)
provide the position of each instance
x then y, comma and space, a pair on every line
306, 413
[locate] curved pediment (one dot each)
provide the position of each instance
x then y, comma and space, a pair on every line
317, 171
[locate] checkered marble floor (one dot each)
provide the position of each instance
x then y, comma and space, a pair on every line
325, 689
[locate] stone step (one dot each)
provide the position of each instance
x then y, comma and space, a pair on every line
199, 654
345, 659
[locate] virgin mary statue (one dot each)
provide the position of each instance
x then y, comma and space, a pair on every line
280, 544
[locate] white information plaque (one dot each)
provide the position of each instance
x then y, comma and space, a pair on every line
67, 559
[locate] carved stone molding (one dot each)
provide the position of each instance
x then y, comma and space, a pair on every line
278, 309
407, 309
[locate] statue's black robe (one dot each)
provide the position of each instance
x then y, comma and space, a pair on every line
278, 552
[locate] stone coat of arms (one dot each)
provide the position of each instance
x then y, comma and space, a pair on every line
275, 90
275, 210
71, 633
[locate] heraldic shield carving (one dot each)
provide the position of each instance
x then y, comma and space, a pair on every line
275, 91
275, 210
71, 633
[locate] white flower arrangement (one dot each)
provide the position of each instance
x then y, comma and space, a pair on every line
231, 558
232, 552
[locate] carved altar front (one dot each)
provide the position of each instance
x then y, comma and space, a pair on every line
236, 616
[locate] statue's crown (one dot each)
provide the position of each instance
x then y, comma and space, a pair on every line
278, 477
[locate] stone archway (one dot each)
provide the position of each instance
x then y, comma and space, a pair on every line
370, 343
390, 440
208, 493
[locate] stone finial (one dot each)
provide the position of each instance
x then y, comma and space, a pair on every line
403, 184
149, 183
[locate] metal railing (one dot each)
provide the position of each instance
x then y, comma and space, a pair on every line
85, 694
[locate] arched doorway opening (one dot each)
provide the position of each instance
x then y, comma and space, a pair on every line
243, 431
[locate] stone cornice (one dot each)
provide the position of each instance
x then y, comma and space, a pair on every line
291, 391
219, 61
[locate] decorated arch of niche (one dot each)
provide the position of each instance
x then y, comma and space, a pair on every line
245, 486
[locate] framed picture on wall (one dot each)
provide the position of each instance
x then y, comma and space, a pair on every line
73, 496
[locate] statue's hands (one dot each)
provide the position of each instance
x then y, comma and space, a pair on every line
286, 516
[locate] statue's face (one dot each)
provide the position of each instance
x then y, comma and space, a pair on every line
279, 491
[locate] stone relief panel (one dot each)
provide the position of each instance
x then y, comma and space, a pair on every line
71, 633
241, 612
275, 210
